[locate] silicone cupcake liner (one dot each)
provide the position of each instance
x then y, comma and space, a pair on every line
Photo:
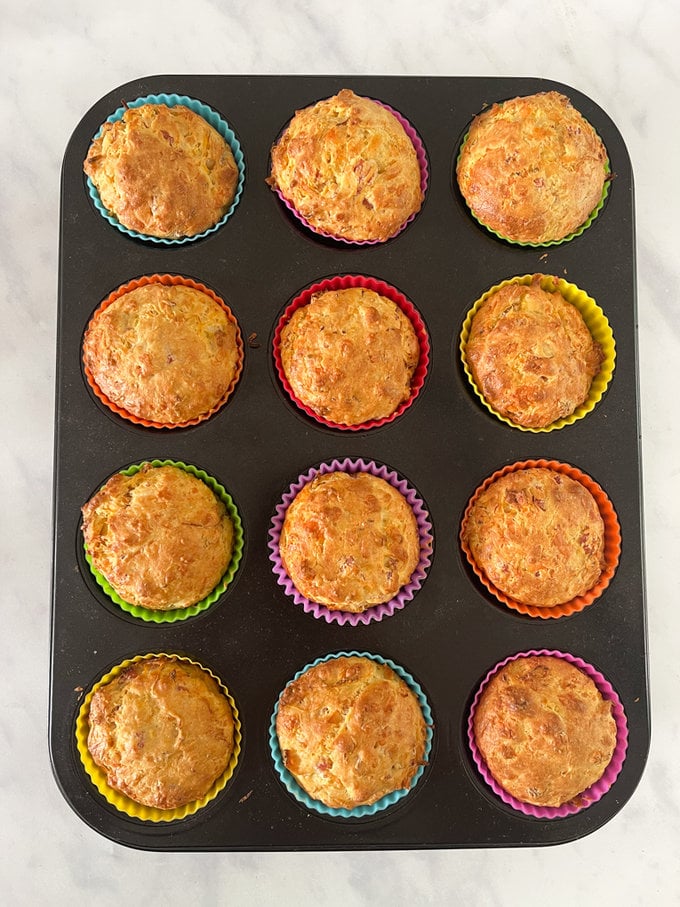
552, 242
596, 322
612, 542
216, 121
167, 280
378, 286
98, 776
162, 617
596, 791
424, 178
388, 800
375, 612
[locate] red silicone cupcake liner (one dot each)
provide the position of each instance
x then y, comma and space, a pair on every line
167, 280
612, 542
596, 791
424, 178
376, 612
351, 281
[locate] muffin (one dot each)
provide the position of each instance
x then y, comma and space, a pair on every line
160, 537
349, 355
531, 354
349, 541
537, 535
544, 730
351, 731
165, 351
532, 168
163, 171
347, 166
162, 730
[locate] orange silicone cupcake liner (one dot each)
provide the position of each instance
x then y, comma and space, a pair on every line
167, 280
612, 542
344, 282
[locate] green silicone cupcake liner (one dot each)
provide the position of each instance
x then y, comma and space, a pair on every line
165, 617
596, 322
551, 242
216, 121
98, 776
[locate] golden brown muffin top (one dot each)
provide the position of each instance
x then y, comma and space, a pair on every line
164, 353
532, 168
350, 731
538, 535
162, 730
347, 166
163, 171
161, 537
349, 541
350, 355
544, 730
531, 354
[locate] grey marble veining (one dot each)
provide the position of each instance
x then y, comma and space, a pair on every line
56, 60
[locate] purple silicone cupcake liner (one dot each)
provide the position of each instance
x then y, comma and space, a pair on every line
596, 791
424, 178
375, 612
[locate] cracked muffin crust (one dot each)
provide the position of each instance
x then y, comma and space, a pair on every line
349, 541
532, 168
163, 171
348, 167
544, 730
350, 731
161, 537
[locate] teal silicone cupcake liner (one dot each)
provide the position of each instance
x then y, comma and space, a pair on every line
388, 800
216, 121
165, 617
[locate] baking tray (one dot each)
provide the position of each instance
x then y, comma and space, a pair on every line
256, 638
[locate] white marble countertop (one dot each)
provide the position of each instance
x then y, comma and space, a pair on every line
56, 60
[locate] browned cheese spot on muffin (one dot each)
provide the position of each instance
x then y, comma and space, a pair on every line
350, 355
162, 730
347, 166
163, 171
349, 541
532, 168
161, 537
163, 353
350, 732
544, 730
538, 535
531, 354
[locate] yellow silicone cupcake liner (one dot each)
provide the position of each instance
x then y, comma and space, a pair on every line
125, 804
596, 322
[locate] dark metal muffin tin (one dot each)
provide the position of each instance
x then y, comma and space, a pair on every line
255, 638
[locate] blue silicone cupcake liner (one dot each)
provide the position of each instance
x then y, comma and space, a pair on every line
216, 121
164, 617
388, 800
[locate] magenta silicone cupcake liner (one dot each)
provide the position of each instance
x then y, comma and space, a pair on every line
596, 791
343, 282
424, 179
405, 594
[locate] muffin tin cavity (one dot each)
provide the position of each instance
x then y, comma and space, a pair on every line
445, 627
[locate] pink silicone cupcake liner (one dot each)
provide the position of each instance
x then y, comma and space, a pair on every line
424, 178
376, 612
596, 791
345, 282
